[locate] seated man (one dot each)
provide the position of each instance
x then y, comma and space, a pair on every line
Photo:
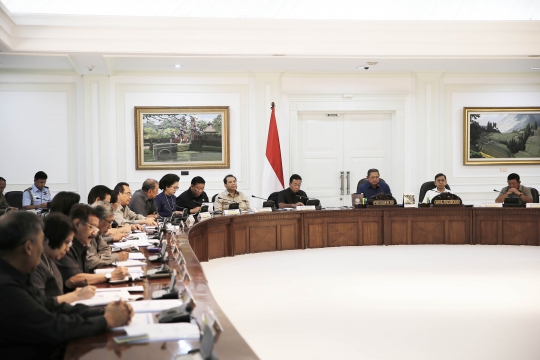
230, 195
38, 195
373, 187
440, 187
4, 206
515, 190
292, 196
142, 202
193, 197
37, 326
99, 253
99, 193
124, 215
73, 266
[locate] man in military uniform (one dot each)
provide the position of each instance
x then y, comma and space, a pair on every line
38, 195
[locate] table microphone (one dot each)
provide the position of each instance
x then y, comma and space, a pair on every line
496, 190
256, 197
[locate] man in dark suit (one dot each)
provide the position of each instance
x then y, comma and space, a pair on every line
292, 196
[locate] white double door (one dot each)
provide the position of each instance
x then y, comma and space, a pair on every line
334, 152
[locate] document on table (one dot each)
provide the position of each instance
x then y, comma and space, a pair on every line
103, 298
136, 256
132, 270
165, 332
137, 288
129, 263
150, 306
138, 320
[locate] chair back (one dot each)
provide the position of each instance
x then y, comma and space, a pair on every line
274, 197
14, 198
428, 185
214, 198
534, 194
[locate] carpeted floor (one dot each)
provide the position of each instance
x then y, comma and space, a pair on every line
384, 302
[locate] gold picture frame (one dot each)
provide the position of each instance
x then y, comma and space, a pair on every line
501, 136
174, 138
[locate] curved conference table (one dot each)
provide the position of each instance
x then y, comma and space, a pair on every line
252, 233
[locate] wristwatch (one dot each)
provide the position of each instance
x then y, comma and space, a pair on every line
108, 277
520, 194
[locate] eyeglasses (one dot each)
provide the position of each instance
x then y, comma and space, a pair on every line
128, 194
92, 227
45, 241
68, 243
110, 222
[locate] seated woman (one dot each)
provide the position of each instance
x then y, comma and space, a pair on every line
166, 200
440, 187
59, 232
63, 201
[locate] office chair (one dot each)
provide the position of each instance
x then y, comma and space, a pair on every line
364, 180
14, 198
214, 198
534, 194
274, 197
428, 185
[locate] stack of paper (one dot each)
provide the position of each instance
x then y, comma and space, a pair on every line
136, 256
104, 297
136, 273
152, 306
165, 332
129, 263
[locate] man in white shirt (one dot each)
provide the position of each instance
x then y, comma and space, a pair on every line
440, 187
230, 195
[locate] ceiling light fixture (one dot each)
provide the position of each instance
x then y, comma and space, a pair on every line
90, 67
178, 66
535, 68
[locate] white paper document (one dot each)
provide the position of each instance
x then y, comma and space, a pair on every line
136, 256
137, 288
165, 332
129, 263
138, 320
132, 270
103, 298
149, 306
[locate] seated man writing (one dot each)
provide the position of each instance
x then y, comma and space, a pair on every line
292, 196
36, 326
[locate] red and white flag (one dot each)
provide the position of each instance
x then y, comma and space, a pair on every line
273, 168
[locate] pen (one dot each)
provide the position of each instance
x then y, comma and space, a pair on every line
86, 281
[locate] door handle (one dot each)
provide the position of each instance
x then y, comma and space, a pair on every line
341, 174
348, 183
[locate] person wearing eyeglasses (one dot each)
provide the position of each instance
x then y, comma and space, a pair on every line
123, 214
59, 232
73, 267
36, 326
193, 197
143, 200
166, 200
99, 252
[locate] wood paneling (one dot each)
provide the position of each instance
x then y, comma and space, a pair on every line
288, 237
262, 238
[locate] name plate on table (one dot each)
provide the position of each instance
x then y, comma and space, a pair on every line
231, 212
447, 202
264, 209
306, 207
204, 216
533, 205
384, 202
493, 205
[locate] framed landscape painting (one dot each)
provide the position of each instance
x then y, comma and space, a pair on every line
182, 137
501, 136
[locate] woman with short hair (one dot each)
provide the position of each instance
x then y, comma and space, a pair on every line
166, 200
59, 232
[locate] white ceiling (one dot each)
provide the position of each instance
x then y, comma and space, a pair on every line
135, 36
289, 9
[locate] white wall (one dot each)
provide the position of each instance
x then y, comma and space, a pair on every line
80, 130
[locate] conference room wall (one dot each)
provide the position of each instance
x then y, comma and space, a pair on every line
80, 130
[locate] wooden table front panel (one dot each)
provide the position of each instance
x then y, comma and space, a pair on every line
505, 226
343, 228
266, 232
448, 225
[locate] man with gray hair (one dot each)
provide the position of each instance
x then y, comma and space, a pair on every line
37, 326
99, 253
143, 202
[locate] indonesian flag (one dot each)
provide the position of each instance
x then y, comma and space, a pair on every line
273, 169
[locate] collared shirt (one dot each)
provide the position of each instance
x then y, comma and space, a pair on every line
368, 191
166, 204
239, 197
432, 193
287, 196
34, 325
525, 190
190, 201
141, 204
99, 254
34, 196
47, 278
74, 262
124, 214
